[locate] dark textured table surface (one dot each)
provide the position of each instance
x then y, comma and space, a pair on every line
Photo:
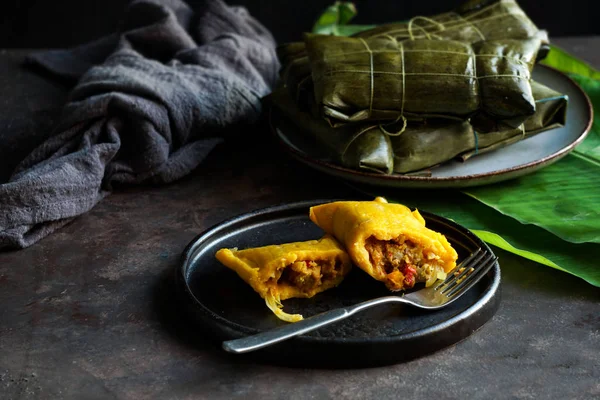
90, 313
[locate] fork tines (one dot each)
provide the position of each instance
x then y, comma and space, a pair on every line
467, 273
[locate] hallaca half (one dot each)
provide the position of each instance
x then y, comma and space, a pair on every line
289, 270
378, 79
388, 241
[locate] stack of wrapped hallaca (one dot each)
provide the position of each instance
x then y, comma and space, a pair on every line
404, 98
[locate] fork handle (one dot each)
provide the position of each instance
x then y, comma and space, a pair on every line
267, 338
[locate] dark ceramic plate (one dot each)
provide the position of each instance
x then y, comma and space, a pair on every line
226, 307
512, 161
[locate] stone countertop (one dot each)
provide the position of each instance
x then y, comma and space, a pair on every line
89, 312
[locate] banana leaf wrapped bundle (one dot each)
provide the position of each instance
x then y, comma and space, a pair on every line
379, 78
474, 21
358, 146
423, 144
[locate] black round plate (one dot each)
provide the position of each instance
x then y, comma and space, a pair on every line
228, 308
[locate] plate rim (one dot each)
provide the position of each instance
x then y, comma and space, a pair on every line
375, 179
187, 257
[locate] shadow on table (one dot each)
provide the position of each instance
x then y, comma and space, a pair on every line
171, 314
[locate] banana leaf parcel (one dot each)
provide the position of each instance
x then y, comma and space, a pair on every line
379, 78
360, 146
423, 145
472, 22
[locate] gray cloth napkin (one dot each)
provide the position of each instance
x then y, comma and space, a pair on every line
150, 103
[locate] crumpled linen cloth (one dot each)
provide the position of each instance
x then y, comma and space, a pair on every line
150, 102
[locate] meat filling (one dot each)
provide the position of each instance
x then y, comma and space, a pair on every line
308, 275
404, 262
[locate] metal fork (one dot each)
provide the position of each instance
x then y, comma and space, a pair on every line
439, 295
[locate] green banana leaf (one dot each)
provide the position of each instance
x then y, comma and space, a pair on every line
560, 59
590, 147
563, 198
335, 16
528, 240
499, 241
334, 20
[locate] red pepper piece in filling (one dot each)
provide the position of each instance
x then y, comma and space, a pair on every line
409, 273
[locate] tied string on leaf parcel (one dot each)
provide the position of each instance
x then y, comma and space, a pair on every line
460, 22
331, 67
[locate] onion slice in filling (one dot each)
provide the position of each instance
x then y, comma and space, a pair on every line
275, 305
